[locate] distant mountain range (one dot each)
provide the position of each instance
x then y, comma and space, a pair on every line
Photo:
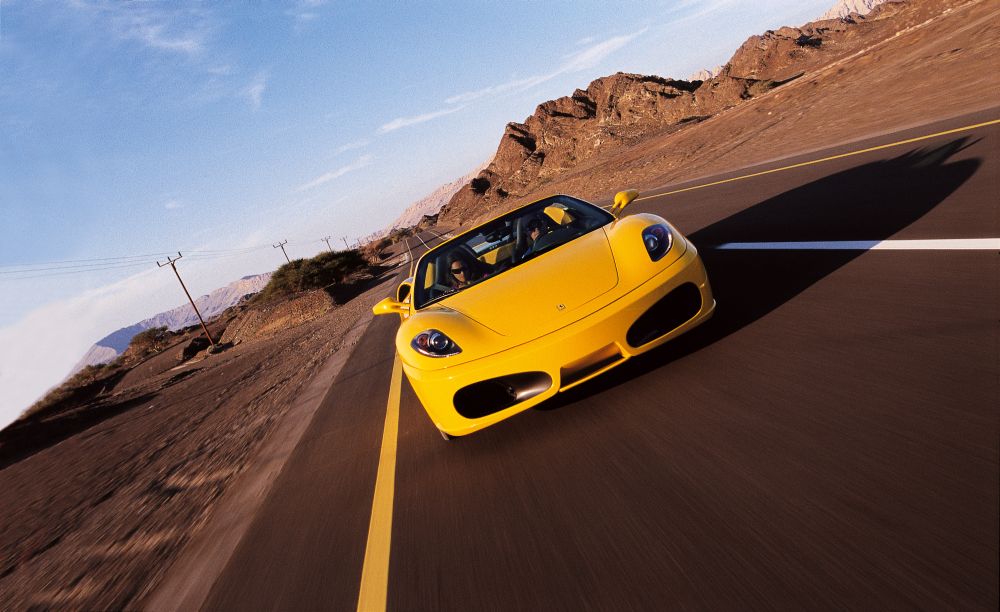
846, 7
432, 203
705, 74
210, 305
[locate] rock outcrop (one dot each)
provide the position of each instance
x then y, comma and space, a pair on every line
622, 109
616, 110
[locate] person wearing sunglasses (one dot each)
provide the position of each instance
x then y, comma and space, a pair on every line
461, 271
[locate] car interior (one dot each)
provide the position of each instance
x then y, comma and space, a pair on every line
505, 243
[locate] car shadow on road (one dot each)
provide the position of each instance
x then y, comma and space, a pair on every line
871, 202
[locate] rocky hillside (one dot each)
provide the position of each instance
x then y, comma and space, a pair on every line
618, 111
210, 305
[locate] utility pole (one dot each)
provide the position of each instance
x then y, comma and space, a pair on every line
172, 262
344, 238
327, 240
281, 245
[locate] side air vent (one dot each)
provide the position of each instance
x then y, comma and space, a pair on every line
666, 315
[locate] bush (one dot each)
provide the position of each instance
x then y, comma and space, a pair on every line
319, 272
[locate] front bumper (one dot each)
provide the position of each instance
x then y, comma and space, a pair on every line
539, 369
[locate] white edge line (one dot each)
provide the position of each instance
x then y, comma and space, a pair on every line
956, 244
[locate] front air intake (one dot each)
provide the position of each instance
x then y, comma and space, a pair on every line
493, 395
670, 312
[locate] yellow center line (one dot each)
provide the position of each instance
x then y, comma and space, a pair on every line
375, 572
825, 159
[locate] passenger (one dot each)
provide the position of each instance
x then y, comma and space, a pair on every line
462, 272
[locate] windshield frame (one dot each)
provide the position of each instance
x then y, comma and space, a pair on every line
507, 222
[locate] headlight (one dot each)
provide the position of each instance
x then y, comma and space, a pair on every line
657, 239
434, 343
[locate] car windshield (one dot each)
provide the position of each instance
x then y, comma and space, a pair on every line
502, 244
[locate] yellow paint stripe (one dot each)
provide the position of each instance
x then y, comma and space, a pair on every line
375, 572
825, 159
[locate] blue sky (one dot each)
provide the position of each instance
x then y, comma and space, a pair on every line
129, 130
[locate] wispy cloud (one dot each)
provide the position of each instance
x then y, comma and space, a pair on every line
304, 11
156, 26
157, 36
577, 61
595, 54
361, 162
513, 85
254, 92
402, 122
173, 204
357, 144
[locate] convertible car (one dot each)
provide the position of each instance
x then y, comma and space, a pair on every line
539, 300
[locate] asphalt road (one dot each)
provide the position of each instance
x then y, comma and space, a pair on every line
828, 441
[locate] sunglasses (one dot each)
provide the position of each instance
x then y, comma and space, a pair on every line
460, 270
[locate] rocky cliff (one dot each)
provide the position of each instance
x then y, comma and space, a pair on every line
622, 109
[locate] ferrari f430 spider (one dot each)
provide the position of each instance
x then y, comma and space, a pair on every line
505, 315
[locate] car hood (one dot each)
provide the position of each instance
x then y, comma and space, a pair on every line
543, 294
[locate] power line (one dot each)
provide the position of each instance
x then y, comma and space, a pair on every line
97, 262
74, 261
65, 272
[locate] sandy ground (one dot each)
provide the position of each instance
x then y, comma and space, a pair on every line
94, 521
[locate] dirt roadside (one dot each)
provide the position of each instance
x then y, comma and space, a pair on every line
94, 521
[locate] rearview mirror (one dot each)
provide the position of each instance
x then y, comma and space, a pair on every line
390, 306
622, 199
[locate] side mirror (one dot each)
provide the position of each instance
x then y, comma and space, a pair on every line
390, 306
622, 199
403, 292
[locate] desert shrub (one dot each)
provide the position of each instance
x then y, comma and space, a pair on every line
147, 342
148, 337
316, 273
761, 87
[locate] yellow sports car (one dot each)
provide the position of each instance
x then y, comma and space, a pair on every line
509, 313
